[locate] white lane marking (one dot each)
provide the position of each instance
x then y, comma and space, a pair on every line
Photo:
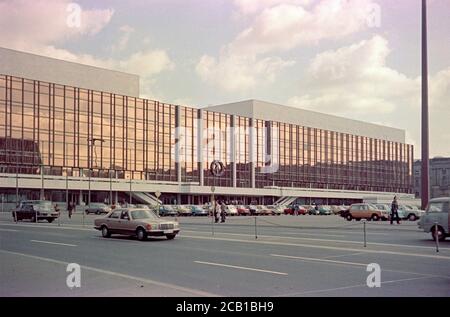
353, 286
130, 277
318, 260
342, 255
8, 230
329, 240
325, 261
55, 243
322, 247
63, 227
240, 267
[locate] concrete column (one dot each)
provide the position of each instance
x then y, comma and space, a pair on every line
233, 151
200, 146
252, 152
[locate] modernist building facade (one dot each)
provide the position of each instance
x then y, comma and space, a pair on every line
439, 177
104, 143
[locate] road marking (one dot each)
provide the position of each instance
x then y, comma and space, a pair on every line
33, 225
322, 247
318, 260
130, 277
325, 261
343, 255
8, 230
328, 240
240, 267
56, 243
353, 286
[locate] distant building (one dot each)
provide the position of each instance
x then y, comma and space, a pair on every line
439, 177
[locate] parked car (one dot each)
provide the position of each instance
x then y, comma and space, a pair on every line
167, 210
231, 210
313, 210
406, 212
35, 210
243, 210
97, 208
325, 210
183, 210
275, 210
437, 214
136, 222
263, 210
290, 210
144, 206
198, 211
366, 211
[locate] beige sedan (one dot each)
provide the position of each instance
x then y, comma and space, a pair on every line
136, 222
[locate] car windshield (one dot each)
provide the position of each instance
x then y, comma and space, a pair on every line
196, 208
168, 208
143, 214
438, 207
97, 205
372, 206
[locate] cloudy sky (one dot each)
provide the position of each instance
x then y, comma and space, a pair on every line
354, 58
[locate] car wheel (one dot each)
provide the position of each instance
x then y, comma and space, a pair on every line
170, 236
141, 234
33, 219
50, 220
349, 217
440, 234
412, 217
97, 212
105, 232
375, 217
86, 212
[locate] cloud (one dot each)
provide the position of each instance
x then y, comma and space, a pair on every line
288, 25
125, 33
276, 27
26, 23
41, 27
249, 7
239, 73
355, 82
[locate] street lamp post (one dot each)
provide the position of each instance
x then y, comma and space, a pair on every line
425, 195
91, 147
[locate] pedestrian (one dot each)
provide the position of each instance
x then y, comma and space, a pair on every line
216, 209
56, 209
70, 209
296, 208
394, 211
223, 212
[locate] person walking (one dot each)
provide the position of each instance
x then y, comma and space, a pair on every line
394, 211
223, 212
70, 209
216, 210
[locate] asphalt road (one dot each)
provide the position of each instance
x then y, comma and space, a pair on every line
286, 256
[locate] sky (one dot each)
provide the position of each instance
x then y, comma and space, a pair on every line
359, 59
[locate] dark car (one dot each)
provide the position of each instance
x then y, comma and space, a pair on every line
35, 210
166, 210
198, 211
97, 208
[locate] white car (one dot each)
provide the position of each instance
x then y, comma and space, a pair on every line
231, 210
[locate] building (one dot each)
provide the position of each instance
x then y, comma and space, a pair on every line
439, 177
80, 133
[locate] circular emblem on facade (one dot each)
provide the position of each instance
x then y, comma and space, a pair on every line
217, 168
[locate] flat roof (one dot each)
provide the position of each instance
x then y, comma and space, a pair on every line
268, 111
37, 67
